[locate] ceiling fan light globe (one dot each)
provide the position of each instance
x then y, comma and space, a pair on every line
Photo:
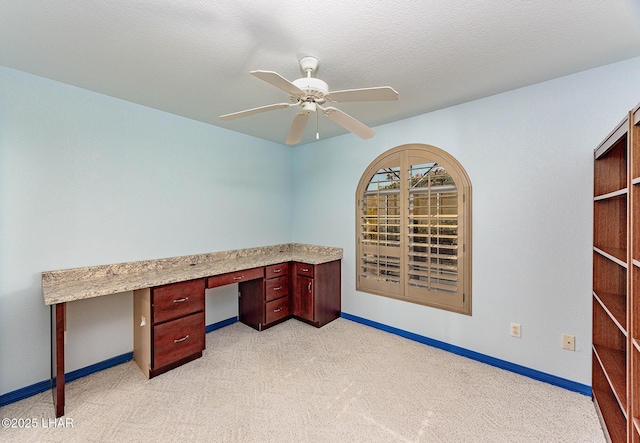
308, 107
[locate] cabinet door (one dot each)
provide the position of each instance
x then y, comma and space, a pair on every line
303, 302
251, 303
326, 292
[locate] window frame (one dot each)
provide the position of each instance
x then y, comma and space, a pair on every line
404, 156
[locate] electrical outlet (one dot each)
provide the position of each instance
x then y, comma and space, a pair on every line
515, 330
569, 342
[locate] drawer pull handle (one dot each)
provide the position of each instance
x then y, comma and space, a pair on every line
304, 269
277, 310
309, 287
181, 339
238, 278
181, 300
278, 288
277, 271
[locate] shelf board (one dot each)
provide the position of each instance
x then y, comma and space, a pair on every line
636, 181
613, 363
636, 424
614, 424
613, 194
636, 345
615, 306
613, 254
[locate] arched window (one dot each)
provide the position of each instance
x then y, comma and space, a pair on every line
413, 228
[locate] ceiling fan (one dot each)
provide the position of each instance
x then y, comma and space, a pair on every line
310, 94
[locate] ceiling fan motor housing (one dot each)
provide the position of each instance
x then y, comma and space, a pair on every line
315, 89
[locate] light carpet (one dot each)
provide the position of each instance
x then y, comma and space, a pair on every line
345, 382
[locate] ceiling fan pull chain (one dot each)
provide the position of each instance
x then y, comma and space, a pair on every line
317, 132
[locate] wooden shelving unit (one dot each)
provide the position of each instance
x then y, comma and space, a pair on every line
616, 281
634, 278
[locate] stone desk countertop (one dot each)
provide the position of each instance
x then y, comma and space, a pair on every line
80, 283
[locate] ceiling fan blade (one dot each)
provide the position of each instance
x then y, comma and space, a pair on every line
252, 111
278, 81
349, 123
297, 128
381, 93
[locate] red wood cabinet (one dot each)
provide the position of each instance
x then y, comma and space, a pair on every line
265, 302
169, 326
169, 320
317, 292
311, 293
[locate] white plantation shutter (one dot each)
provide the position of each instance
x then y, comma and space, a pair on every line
414, 228
380, 225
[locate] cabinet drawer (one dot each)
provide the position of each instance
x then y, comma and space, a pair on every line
235, 277
304, 269
178, 339
276, 288
274, 271
277, 309
177, 300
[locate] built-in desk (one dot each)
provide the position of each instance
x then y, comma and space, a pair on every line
63, 286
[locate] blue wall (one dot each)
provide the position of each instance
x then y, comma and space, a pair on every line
87, 179
529, 155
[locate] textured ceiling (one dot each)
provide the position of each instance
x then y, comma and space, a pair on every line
192, 58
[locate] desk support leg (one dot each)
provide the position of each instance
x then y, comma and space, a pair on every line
57, 356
